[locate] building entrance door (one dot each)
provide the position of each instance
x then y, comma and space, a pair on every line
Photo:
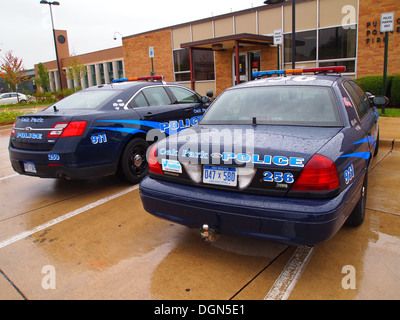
249, 62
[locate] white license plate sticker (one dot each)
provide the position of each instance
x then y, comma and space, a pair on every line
30, 167
225, 176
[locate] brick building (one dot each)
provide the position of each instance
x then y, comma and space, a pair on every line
202, 54
101, 66
371, 44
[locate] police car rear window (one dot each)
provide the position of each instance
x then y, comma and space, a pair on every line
86, 99
277, 105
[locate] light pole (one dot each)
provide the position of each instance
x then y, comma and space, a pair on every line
293, 27
115, 35
54, 3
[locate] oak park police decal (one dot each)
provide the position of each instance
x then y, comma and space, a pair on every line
33, 136
281, 161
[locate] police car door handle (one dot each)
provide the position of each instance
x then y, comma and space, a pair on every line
187, 110
148, 115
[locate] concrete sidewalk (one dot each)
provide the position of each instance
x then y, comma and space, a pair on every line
389, 129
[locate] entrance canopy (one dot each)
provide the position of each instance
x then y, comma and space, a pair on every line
233, 42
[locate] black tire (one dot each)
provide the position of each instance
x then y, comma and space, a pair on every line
133, 163
357, 216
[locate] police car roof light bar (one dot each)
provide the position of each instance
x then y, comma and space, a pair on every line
139, 79
298, 71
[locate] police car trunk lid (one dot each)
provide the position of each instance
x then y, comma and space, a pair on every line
266, 159
31, 132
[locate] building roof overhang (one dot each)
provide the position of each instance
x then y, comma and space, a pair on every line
229, 42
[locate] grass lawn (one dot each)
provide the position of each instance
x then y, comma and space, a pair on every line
390, 112
9, 113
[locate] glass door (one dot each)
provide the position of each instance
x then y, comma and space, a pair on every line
249, 62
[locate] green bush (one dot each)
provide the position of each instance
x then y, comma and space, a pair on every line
395, 91
374, 84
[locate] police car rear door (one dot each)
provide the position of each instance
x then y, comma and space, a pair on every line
157, 109
188, 100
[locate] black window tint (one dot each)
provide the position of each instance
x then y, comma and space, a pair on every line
276, 105
182, 65
140, 101
306, 46
203, 61
364, 98
184, 96
337, 42
157, 96
356, 99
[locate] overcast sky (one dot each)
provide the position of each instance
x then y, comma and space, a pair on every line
25, 25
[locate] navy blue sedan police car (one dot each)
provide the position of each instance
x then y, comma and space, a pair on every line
280, 158
103, 130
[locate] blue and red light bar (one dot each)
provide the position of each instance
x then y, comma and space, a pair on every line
298, 71
139, 79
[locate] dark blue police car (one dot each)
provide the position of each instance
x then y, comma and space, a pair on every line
280, 158
102, 130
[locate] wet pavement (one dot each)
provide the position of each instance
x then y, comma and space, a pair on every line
93, 240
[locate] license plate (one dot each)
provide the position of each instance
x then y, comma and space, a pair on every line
225, 176
30, 167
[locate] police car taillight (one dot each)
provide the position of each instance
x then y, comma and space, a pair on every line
13, 130
154, 165
319, 174
298, 71
67, 129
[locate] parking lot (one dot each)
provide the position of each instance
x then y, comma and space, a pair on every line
93, 240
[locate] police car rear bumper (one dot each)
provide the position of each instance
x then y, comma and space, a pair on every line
288, 220
45, 168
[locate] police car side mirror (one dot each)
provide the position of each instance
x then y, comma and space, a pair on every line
380, 101
205, 100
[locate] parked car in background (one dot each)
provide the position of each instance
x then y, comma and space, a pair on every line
12, 98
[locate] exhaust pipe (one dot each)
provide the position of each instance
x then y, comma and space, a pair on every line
64, 176
208, 234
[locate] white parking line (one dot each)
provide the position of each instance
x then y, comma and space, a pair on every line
71, 214
287, 280
8, 177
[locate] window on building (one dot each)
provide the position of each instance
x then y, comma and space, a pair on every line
93, 74
203, 61
182, 65
349, 64
101, 67
306, 46
337, 43
120, 69
110, 71
85, 81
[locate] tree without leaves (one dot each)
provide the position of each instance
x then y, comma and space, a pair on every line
76, 69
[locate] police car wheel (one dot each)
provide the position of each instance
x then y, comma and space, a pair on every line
134, 166
357, 216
